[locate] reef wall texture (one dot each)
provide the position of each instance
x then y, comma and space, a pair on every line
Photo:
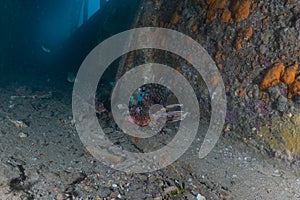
256, 46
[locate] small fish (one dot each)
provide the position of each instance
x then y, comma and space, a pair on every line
71, 77
45, 49
111, 84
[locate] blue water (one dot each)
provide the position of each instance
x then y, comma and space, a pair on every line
45, 39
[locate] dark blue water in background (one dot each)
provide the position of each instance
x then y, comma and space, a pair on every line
43, 40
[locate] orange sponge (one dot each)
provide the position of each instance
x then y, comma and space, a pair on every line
290, 74
241, 10
272, 77
294, 89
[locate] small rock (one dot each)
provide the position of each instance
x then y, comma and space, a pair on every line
170, 189
234, 176
281, 103
73, 121
60, 197
274, 93
113, 195
105, 192
23, 135
200, 197
263, 49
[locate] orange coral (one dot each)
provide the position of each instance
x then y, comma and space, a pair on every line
213, 6
248, 33
239, 41
272, 77
226, 16
266, 21
178, 69
194, 28
294, 89
241, 10
254, 5
217, 4
180, 6
219, 56
239, 44
175, 18
211, 15
209, 2
220, 4
290, 74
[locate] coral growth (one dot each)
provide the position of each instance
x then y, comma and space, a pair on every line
214, 6
218, 8
194, 28
248, 33
245, 34
217, 4
175, 18
226, 16
211, 15
294, 89
176, 15
239, 42
241, 10
290, 74
289, 137
272, 77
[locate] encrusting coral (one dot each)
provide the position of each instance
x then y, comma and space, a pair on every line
241, 10
214, 5
272, 77
248, 33
288, 76
294, 89
226, 16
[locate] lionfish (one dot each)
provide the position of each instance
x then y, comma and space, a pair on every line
153, 102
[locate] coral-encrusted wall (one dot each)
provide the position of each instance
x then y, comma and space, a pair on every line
256, 46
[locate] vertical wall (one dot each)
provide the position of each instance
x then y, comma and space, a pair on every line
113, 18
